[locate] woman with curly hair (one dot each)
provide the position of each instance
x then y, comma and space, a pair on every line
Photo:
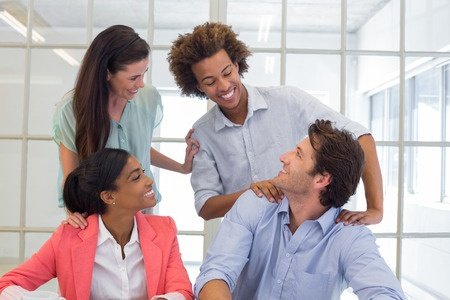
242, 137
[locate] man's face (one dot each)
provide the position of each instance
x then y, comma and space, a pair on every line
218, 77
297, 175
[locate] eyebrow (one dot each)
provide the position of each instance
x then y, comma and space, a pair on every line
139, 74
209, 77
134, 171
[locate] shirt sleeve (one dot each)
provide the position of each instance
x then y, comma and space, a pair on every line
229, 252
312, 108
366, 271
64, 124
169, 296
205, 178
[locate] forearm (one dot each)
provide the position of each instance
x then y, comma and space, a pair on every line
215, 289
218, 206
161, 161
371, 176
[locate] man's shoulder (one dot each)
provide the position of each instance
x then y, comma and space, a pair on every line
206, 120
249, 208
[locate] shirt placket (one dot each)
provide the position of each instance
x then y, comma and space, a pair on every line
250, 152
284, 263
123, 141
125, 286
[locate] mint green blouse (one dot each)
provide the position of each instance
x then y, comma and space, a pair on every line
134, 131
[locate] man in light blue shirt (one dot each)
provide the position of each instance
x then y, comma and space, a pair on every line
242, 137
295, 249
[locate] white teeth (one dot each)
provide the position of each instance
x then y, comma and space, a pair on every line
149, 193
228, 96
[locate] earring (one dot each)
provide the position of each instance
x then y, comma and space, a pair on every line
114, 203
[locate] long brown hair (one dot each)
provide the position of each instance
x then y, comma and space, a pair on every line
112, 50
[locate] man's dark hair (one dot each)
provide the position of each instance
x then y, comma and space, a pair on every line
339, 154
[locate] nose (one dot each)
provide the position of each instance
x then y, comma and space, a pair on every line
140, 82
149, 180
284, 157
223, 84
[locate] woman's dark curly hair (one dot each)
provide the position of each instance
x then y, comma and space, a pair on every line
206, 40
339, 154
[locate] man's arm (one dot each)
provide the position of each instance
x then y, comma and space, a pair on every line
366, 271
373, 187
215, 289
229, 252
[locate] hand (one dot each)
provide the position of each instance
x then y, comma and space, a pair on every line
76, 220
368, 217
266, 188
191, 150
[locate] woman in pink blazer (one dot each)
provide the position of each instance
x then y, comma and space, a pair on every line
122, 254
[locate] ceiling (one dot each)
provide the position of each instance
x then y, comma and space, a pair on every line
303, 16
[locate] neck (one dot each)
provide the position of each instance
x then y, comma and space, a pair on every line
116, 106
238, 114
303, 208
120, 226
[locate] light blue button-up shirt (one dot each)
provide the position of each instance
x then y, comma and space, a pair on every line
258, 257
134, 131
233, 156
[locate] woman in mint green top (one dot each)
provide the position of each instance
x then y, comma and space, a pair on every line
111, 107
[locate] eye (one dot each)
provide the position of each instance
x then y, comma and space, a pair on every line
138, 176
227, 74
210, 83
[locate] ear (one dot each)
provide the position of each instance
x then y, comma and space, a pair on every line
108, 75
198, 88
323, 179
107, 197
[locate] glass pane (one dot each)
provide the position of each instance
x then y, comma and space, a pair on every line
180, 113
176, 191
10, 171
447, 101
366, 76
42, 172
377, 115
54, 23
12, 72
388, 158
52, 76
427, 25
131, 13
425, 265
424, 107
423, 210
258, 22
313, 24
264, 69
9, 251
161, 76
174, 17
447, 177
373, 25
319, 75
13, 20
191, 248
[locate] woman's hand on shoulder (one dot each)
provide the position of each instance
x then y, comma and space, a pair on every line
76, 220
268, 189
191, 149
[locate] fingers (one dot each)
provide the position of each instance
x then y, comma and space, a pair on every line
267, 189
76, 220
368, 217
189, 134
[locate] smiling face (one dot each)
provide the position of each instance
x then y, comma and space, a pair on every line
218, 77
134, 189
297, 174
125, 83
